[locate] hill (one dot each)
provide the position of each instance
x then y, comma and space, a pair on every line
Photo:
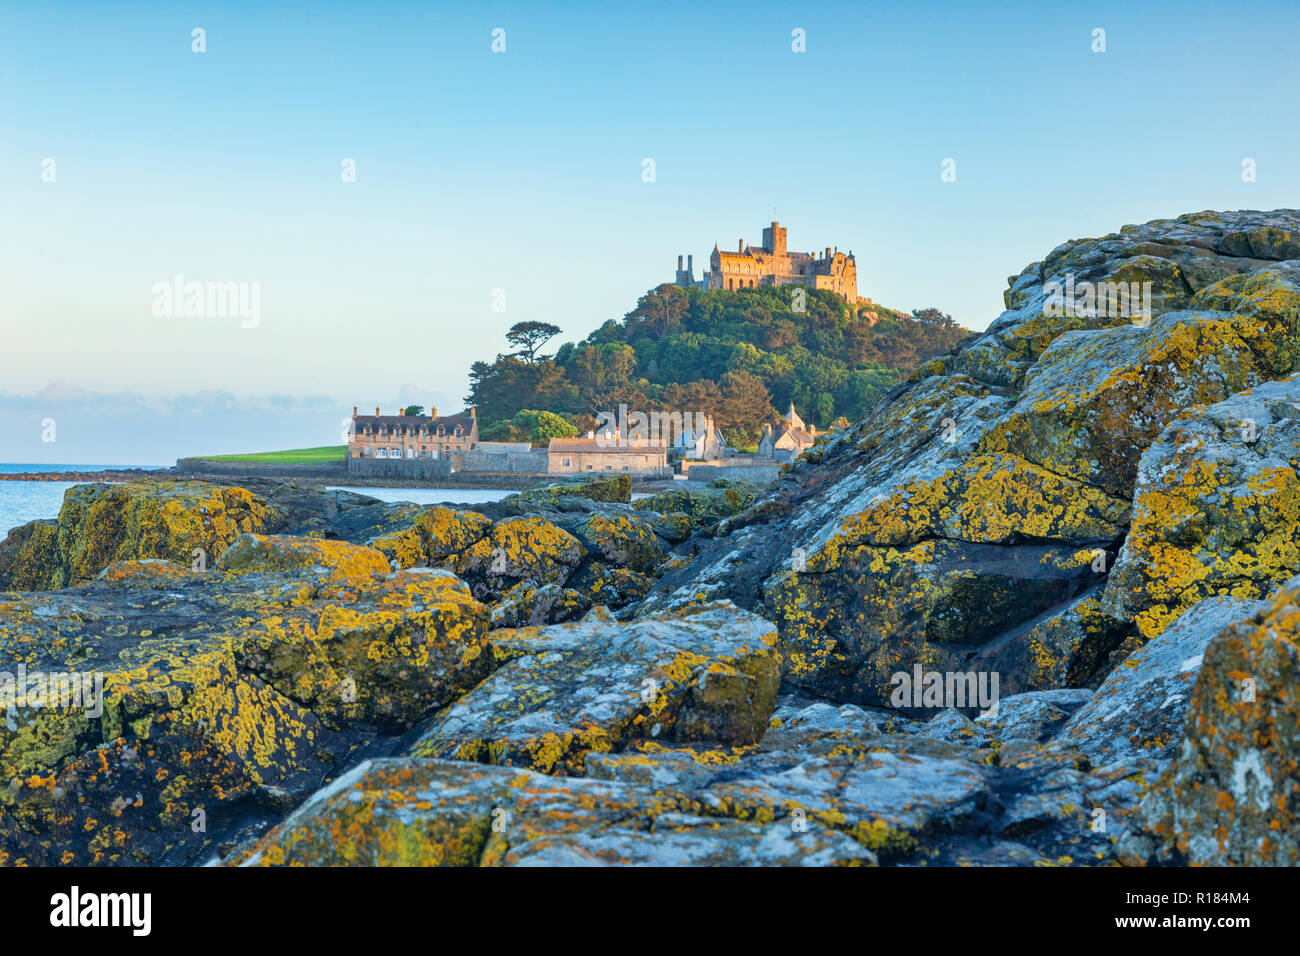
738, 355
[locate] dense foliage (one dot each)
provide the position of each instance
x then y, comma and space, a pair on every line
738, 355
530, 425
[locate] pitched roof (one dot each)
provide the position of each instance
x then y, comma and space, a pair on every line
447, 423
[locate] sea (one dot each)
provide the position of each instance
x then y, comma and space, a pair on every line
24, 501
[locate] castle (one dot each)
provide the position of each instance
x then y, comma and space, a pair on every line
771, 264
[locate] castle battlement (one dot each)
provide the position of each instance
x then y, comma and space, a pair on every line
772, 264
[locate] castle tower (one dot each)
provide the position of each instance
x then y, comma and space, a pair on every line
774, 238
685, 277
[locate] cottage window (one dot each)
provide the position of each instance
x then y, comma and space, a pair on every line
566, 463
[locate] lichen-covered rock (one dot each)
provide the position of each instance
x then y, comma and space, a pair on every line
1137, 711
433, 535
615, 488
147, 572
621, 540
514, 550
570, 689
844, 635
1216, 508
1232, 794
527, 605
613, 587
1180, 257
1035, 716
29, 557
338, 561
384, 653
156, 697
447, 813
179, 728
674, 527
1096, 399
987, 499
102, 523
1073, 645
704, 507
889, 799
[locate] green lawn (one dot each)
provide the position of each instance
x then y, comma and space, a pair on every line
294, 456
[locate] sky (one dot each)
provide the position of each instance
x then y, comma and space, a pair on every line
522, 172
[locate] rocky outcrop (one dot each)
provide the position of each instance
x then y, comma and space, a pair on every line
709, 673
157, 709
444, 813
1216, 508
1232, 792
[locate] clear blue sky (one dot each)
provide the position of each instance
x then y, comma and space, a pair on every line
522, 171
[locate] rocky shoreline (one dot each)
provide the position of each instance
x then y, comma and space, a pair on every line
1075, 543
264, 476
126, 474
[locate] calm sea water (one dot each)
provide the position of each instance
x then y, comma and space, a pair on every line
24, 501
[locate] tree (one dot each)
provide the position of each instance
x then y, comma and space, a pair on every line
413, 410
746, 402
543, 426
531, 425
528, 337
660, 310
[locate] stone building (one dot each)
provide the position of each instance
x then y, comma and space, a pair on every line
576, 456
790, 439
701, 443
389, 437
772, 264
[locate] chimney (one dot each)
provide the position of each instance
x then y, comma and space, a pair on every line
354, 411
376, 411
740, 247
679, 263
828, 252
690, 265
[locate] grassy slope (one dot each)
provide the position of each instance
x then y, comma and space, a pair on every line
293, 456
